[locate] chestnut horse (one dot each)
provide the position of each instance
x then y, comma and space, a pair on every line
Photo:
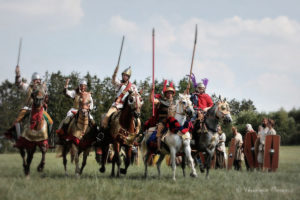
35, 132
80, 136
123, 128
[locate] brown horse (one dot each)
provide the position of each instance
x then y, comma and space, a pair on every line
123, 128
35, 132
80, 136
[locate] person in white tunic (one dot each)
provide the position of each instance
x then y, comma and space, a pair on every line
76, 95
267, 129
221, 150
122, 88
238, 149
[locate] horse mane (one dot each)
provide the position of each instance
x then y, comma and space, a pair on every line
211, 118
123, 118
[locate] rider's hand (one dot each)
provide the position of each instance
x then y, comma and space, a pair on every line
118, 100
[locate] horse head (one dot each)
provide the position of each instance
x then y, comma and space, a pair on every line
223, 111
186, 104
38, 95
135, 103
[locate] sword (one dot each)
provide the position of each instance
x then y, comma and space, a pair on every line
121, 51
191, 70
19, 53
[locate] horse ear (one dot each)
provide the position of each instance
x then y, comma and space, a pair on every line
130, 92
224, 100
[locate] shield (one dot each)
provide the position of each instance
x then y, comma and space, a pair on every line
249, 149
231, 153
271, 152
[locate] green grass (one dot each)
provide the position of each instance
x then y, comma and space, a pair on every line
53, 184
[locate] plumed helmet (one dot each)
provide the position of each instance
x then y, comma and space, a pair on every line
169, 89
35, 76
200, 85
127, 72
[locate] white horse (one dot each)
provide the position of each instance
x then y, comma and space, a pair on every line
175, 142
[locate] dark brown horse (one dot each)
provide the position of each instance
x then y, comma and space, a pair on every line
80, 136
35, 132
123, 128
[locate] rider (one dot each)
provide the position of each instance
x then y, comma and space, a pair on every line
163, 103
76, 95
28, 88
122, 88
201, 100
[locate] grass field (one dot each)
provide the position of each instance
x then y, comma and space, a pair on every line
53, 184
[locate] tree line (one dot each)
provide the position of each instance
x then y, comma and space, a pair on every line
103, 93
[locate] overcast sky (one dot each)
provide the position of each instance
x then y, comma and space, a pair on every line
247, 49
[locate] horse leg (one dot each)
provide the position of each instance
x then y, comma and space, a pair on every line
76, 159
158, 164
188, 154
208, 161
183, 164
104, 158
23, 154
66, 149
146, 164
40, 167
127, 159
117, 158
85, 155
30, 153
173, 162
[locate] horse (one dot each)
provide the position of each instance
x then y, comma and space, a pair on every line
205, 131
35, 131
124, 126
173, 143
80, 136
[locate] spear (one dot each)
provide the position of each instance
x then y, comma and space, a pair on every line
153, 84
19, 53
191, 70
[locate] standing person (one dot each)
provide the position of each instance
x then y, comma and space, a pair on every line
238, 149
76, 94
221, 150
36, 80
267, 129
163, 103
122, 88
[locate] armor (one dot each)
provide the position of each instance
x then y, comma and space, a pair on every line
35, 76
163, 109
127, 72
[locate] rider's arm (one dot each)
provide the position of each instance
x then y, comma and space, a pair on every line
18, 81
92, 103
156, 101
70, 93
114, 79
209, 103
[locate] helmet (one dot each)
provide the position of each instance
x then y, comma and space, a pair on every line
127, 72
35, 76
200, 85
169, 89
82, 82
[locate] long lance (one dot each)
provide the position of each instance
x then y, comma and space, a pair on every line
121, 51
19, 53
191, 70
153, 83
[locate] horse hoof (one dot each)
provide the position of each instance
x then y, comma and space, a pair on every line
102, 169
77, 175
40, 168
193, 175
174, 179
27, 177
123, 171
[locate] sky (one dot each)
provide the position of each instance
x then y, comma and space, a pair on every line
247, 49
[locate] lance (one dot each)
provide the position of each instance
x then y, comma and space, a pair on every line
191, 70
19, 53
121, 51
153, 83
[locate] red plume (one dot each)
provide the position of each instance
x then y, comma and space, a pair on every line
171, 85
165, 85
